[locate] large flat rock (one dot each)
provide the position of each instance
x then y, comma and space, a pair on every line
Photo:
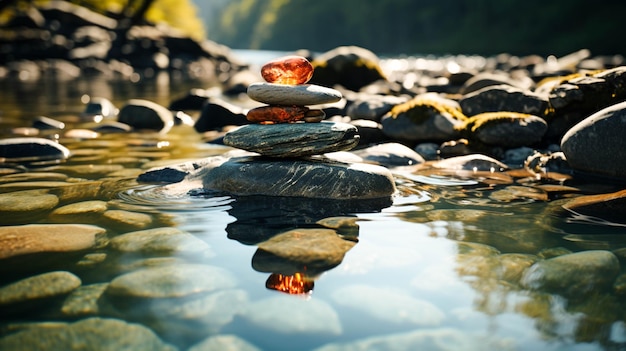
306, 178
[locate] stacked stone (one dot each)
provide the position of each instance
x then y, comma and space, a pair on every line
285, 132
275, 131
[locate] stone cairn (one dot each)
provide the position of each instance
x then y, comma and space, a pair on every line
287, 127
286, 132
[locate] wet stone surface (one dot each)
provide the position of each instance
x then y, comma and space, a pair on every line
431, 213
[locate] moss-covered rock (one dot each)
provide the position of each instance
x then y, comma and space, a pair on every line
422, 119
507, 129
349, 66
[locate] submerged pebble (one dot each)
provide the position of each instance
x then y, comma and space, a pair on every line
46, 285
37, 238
175, 280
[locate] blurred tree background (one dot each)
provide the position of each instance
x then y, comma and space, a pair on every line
179, 14
483, 27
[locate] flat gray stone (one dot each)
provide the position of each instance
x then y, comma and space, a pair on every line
100, 333
297, 178
301, 95
293, 139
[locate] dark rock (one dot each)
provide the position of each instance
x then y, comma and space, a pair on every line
293, 139
112, 127
259, 218
390, 155
296, 178
99, 106
30, 149
370, 132
194, 100
239, 82
577, 96
429, 151
422, 119
372, 107
588, 93
487, 79
43, 123
349, 66
597, 144
144, 114
507, 129
218, 113
609, 207
504, 98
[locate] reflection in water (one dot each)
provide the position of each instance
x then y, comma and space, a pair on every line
296, 284
293, 235
260, 217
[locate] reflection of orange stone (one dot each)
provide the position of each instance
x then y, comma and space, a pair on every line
276, 114
292, 70
290, 284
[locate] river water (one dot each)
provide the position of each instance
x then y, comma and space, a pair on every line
428, 270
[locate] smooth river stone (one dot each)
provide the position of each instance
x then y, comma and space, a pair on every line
297, 178
41, 286
597, 145
301, 95
573, 275
166, 240
100, 333
290, 70
34, 238
293, 139
177, 280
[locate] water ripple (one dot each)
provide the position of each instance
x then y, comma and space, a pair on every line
163, 198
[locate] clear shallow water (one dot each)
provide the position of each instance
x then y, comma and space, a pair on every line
426, 268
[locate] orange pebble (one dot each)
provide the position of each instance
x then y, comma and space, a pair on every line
291, 70
276, 114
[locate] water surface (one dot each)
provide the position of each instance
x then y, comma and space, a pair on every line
427, 268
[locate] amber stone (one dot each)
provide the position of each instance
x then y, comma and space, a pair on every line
277, 114
291, 70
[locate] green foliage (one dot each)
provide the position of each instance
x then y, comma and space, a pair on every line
425, 26
179, 14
